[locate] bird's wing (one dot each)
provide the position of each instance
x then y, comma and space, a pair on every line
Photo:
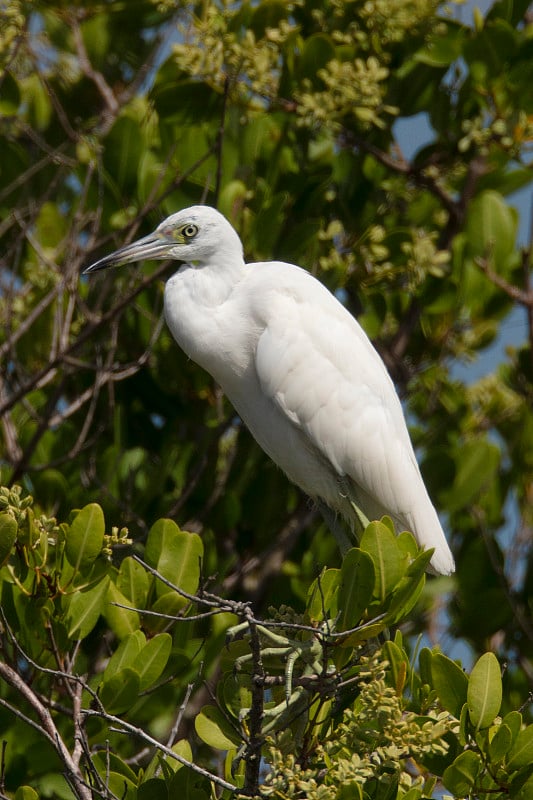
319, 368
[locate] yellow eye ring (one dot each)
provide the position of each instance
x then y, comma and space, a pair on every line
189, 231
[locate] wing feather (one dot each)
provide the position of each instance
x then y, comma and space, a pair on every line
318, 367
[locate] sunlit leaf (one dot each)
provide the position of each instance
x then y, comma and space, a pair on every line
484, 695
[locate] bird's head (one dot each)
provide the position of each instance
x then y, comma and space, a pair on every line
194, 235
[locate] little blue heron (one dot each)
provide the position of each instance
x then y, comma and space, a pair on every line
299, 370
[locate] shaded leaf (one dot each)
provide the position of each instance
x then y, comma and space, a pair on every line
8, 535
501, 743
522, 753
322, 597
356, 587
153, 659
450, 683
460, 777
121, 692
126, 654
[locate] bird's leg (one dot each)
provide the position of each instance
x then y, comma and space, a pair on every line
336, 527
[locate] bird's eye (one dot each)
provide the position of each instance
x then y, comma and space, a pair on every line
190, 231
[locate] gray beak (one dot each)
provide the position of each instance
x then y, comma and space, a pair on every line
152, 246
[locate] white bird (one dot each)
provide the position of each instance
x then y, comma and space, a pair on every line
300, 372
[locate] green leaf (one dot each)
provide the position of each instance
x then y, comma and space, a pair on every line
176, 554
120, 786
442, 48
460, 776
450, 683
389, 561
322, 597
121, 692
479, 462
85, 537
153, 789
318, 50
213, 729
10, 99
513, 720
350, 790
8, 535
170, 603
153, 659
399, 665
484, 695
133, 582
122, 621
83, 608
521, 754
106, 760
26, 793
408, 591
356, 587
500, 744
425, 661
491, 229
183, 749
521, 787
126, 655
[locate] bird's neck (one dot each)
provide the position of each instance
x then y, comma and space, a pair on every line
209, 284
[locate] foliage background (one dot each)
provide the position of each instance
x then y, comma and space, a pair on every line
283, 116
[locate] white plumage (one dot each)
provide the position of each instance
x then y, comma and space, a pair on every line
299, 370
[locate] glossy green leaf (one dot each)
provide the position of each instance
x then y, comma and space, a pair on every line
521, 754
500, 744
153, 659
322, 598
356, 587
133, 582
121, 692
177, 555
213, 729
121, 786
461, 776
183, 749
484, 695
389, 561
85, 537
407, 593
121, 620
450, 683
126, 655
8, 535
83, 607
514, 722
